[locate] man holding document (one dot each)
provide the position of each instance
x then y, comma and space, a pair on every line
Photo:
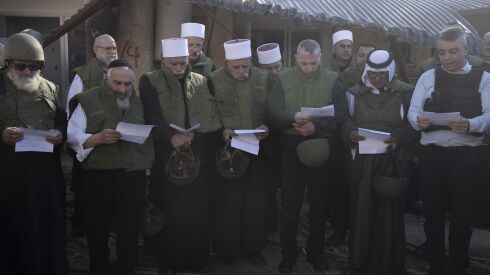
377, 108
451, 144
179, 104
304, 133
114, 168
240, 204
32, 197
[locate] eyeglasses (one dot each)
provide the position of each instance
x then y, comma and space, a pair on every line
107, 48
377, 74
22, 66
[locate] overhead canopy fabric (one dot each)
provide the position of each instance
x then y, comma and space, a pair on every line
413, 21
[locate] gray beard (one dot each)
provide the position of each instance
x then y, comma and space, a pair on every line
25, 83
124, 103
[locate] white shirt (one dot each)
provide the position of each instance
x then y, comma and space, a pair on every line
446, 138
75, 88
77, 135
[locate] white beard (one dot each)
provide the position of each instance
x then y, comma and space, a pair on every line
26, 83
124, 103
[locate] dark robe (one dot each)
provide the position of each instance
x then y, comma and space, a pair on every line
32, 210
184, 242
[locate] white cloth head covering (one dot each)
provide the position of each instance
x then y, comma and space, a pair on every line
192, 29
174, 47
342, 35
237, 49
269, 53
379, 60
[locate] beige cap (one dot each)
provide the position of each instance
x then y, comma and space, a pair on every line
174, 47
237, 49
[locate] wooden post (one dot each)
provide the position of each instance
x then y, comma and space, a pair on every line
400, 63
134, 34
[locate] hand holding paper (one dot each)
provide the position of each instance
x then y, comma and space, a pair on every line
441, 119
374, 142
460, 125
136, 133
35, 140
246, 140
325, 111
11, 135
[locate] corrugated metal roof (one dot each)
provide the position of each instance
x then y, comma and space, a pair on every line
414, 21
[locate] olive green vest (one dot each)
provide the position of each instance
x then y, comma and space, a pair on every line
102, 112
92, 74
300, 91
379, 112
350, 77
203, 65
34, 110
201, 106
242, 104
329, 62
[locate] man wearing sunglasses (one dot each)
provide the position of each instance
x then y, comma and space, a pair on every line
175, 95
32, 188
379, 102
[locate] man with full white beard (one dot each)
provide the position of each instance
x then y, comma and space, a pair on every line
181, 174
32, 228
113, 169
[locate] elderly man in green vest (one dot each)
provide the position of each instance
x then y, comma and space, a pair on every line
175, 95
380, 102
304, 148
195, 34
270, 59
32, 228
92, 74
114, 169
341, 57
240, 204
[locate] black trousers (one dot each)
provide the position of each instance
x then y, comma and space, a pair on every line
240, 212
448, 178
113, 199
32, 211
338, 189
295, 179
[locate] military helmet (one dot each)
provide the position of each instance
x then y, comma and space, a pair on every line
182, 166
388, 187
313, 152
34, 34
153, 221
23, 46
231, 163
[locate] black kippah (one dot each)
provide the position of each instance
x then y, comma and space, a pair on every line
119, 63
